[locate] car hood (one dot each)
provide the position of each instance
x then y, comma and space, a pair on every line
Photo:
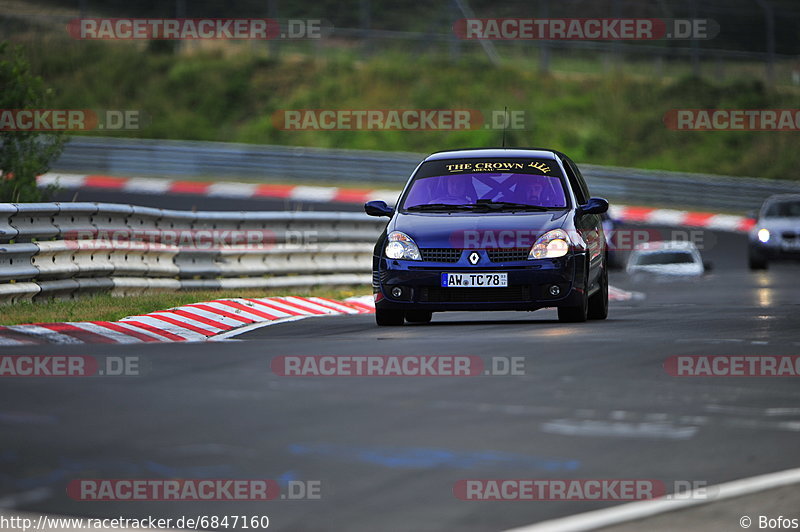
436, 230
778, 224
669, 269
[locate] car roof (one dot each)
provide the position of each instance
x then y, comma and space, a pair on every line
782, 197
472, 153
667, 245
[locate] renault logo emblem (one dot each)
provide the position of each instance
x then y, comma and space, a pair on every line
474, 258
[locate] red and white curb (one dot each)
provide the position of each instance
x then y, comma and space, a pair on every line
639, 511
210, 320
228, 189
188, 323
223, 189
674, 217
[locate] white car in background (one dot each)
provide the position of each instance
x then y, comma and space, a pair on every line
667, 258
776, 233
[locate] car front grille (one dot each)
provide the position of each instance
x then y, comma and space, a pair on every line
507, 254
440, 254
454, 255
474, 295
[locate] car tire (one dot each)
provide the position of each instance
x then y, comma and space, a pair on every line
419, 316
598, 303
756, 262
389, 318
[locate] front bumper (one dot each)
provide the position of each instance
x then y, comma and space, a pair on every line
528, 288
776, 251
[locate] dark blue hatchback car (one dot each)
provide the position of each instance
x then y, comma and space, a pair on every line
491, 229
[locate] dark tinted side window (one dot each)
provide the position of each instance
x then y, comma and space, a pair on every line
576, 180
581, 180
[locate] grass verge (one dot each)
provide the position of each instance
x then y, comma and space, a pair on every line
610, 118
105, 307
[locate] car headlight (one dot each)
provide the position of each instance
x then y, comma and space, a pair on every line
401, 246
551, 245
763, 235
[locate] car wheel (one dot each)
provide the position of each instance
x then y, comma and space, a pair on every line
598, 303
388, 318
419, 316
756, 262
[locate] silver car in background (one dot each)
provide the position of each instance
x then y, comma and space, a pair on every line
776, 234
673, 258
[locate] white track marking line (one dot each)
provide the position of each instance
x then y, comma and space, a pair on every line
617, 429
642, 509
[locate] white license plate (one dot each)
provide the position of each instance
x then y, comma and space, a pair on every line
474, 280
793, 245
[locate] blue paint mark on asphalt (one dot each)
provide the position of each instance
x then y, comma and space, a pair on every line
428, 457
287, 477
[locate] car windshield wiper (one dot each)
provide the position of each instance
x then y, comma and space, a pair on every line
509, 205
440, 207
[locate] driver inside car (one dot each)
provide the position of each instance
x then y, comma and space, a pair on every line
455, 190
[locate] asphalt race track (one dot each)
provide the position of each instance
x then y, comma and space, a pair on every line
594, 402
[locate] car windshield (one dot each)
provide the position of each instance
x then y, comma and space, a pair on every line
505, 190
665, 257
783, 209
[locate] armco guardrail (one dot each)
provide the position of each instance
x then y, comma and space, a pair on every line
140, 157
61, 249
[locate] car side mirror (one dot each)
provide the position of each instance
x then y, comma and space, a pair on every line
378, 208
594, 206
